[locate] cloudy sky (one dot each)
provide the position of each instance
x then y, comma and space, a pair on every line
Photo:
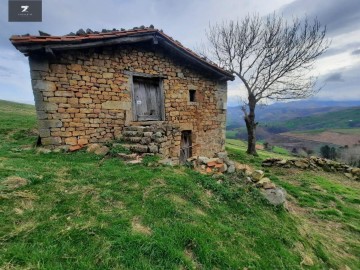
186, 21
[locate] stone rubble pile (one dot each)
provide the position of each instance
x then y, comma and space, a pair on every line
219, 164
102, 150
274, 195
315, 163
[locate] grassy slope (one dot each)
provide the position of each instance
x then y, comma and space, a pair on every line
332, 120
82, 212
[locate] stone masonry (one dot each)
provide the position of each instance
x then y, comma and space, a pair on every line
84, 96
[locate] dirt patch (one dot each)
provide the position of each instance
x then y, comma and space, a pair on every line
178, 199
138, 227
199, 212
209, 193
157, 183
190, 255
14, 182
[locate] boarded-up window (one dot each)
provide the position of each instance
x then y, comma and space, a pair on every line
185, 146
147, 99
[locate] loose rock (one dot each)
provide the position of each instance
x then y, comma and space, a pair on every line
276, 196
257, 175
102, 151
93, 147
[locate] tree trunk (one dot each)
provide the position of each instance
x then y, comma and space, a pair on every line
251, 126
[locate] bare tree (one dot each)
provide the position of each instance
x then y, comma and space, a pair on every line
272, 57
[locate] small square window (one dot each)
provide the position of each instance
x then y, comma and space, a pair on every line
192, 95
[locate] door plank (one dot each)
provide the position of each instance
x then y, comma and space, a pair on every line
147, 100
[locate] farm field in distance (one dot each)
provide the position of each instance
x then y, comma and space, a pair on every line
308, 130
339, 137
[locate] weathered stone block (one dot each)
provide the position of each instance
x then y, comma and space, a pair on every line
93, 147
71, 141
134, 139
51, 141
43, 133
139, 148
75, 67
116, 105
57, 99
129, 133
46, 106
145, 140
45, 124
257, 175
153, 149
160, 140
83, 141
102, 151
41, 115
85, 100
108, 75
148, 134
73, 101
56, 68
43, 85
101, 81
64, 93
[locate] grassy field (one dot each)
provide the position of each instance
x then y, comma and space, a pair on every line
351, 131
344, 119
79, 211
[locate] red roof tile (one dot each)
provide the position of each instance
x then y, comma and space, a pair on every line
27, 40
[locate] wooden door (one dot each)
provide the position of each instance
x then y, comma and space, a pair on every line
147, 99
185, 146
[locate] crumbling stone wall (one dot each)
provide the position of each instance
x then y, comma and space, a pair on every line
84, 97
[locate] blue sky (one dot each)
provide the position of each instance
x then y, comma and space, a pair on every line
186, 21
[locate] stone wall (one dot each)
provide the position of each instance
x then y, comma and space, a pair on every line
84, 97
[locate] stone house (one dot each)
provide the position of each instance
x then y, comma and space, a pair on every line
138, 85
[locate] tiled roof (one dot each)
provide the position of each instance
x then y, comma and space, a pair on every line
26, 39
89, 36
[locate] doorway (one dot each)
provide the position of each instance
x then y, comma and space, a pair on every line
147, 101
185, 146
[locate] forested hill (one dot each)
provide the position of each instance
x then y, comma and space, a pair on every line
312, 110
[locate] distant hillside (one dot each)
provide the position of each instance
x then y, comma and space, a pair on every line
280, 112
7, 106
345, 118
22, 114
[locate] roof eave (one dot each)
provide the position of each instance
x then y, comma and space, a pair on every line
154, 36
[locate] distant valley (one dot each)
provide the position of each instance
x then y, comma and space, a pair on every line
303, 125
276, 114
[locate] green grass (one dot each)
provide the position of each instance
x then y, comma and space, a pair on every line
326, 206
231, 134
344, 119
280, 150
79, 211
